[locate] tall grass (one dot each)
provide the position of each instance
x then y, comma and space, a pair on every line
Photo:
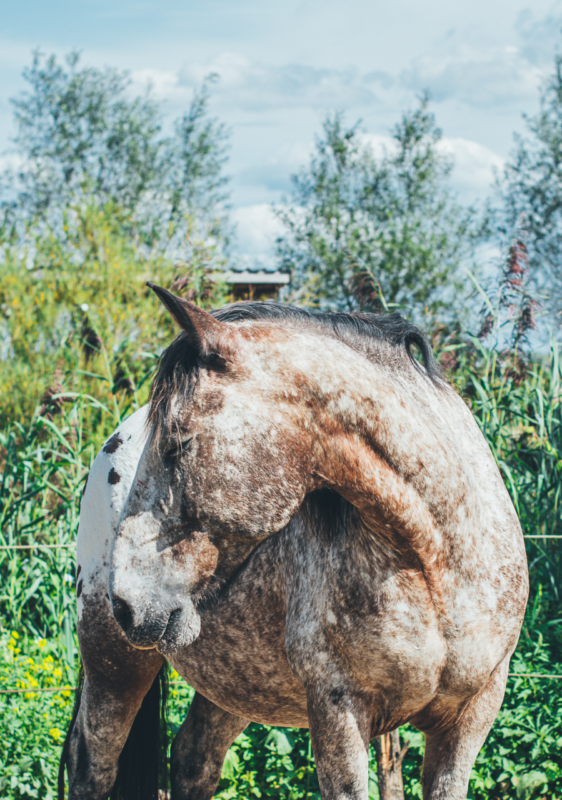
79, 337
69, 393
521, 418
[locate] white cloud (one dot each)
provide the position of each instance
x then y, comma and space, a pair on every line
254, 85
474, 166
460, 67
473, 163
257, 228
165, 84
275, 174
540, 38
489, 77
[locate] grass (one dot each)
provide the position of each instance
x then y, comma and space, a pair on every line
44, 465
80, 338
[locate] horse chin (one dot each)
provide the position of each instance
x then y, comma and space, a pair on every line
184, 626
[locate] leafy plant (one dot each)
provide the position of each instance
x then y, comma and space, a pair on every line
531, 186
82, 136
366, 233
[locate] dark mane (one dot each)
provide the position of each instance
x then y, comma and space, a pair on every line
392, 328
178, 370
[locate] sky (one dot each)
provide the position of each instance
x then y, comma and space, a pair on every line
283, 65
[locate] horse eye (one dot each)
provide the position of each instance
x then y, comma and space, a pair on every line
215, 362
177, 448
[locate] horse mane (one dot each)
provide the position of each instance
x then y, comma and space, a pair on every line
178, 369
391, 328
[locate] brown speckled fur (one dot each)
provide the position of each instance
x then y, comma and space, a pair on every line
319, 538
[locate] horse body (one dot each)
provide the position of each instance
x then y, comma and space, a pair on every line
306, 602
316, 534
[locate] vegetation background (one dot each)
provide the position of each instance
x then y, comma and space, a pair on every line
102, 202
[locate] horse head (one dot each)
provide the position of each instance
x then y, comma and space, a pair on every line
227, 464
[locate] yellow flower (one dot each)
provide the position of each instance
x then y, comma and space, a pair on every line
42, 642
56, 734
14, 635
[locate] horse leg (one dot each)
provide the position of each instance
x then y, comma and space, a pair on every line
117, 678
450, 755
200, 747
340, 729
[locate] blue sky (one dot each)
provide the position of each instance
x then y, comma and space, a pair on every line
282, 66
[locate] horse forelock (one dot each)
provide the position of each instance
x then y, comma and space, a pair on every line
178, 370
173, 387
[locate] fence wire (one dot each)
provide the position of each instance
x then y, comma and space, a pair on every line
32, 689
73, 544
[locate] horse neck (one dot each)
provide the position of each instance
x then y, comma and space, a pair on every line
379, 446
377, 434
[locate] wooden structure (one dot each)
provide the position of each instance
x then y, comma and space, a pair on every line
256, 284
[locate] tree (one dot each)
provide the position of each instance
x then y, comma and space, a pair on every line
102, 201
80, 134
530, 190
367, 233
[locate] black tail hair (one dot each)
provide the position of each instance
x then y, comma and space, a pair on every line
63, 763
143, 763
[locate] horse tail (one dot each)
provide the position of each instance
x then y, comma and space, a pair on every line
143, 763
63, 763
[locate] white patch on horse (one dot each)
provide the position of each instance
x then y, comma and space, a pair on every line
103, 502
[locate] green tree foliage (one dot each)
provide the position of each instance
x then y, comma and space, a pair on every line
367, 233
103, 201
81, 134
76, 314
530, 189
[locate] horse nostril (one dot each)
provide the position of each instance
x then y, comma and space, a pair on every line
122, 614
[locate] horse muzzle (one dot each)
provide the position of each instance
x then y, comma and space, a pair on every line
165, 631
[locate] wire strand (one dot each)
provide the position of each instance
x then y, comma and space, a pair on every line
35, 546
73, 544
63, 688
31, 689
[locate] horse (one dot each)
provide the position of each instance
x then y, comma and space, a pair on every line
308, 525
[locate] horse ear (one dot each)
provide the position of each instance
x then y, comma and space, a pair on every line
203, 330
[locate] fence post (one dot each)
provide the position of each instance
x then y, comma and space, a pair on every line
389, 765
